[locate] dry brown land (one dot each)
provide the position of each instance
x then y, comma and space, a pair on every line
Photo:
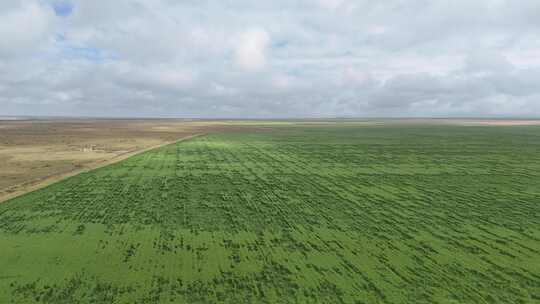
489, 122
35, 153
506, 122
457, 121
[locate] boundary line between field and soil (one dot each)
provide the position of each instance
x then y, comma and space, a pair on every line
54, 178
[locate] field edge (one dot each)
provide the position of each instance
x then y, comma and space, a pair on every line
52, 179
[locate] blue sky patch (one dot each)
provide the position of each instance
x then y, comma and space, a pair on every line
88, 53
63, 9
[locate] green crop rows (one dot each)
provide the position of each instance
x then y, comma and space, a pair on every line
333, 214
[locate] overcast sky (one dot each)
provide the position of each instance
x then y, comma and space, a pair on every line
262, 59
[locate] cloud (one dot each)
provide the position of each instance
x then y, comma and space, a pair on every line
250, 52
270, 59
331, 4
25, 27
488, 62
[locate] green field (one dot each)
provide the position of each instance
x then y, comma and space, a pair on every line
336, 213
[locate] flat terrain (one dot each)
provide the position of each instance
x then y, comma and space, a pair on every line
37, 152
328, 213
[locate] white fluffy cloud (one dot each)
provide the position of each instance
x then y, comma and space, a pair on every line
270, 59
251, 49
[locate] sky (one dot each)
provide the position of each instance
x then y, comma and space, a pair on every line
270, 59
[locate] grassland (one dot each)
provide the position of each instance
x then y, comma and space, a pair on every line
290, 214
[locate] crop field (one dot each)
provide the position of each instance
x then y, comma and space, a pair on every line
333, 213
